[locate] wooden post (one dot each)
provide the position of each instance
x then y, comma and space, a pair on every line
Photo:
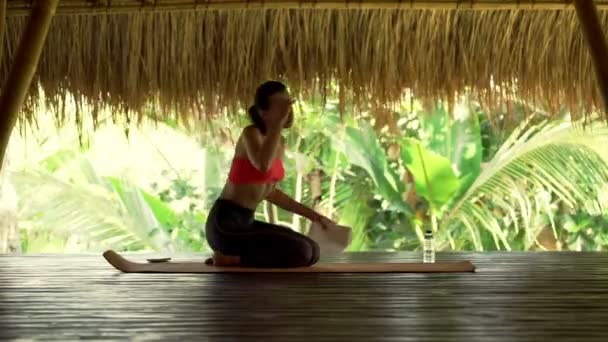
2, 25
24, 66
13, 94
594, 35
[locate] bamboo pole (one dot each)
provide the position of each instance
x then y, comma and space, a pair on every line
20, 7
9, 243
2, 27
22, 72
596, 40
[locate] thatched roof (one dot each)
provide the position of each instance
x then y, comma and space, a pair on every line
212, 57
21, 7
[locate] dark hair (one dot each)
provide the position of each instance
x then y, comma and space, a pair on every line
262, 102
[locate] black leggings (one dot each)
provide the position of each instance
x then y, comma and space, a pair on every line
232, 230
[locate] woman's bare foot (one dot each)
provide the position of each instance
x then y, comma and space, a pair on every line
222, 260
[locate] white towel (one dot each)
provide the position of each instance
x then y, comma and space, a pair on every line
333, 240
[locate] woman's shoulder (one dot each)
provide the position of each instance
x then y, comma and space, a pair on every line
251, 130
248, 134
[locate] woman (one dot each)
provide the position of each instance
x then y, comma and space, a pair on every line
236, 238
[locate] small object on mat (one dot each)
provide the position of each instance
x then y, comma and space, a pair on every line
159, 260
128, 266
332, 240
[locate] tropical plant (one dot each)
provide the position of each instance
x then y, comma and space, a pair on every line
505, 205
96, 213
87, 212
450, 173
536, 161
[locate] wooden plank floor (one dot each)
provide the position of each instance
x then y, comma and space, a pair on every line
511, 297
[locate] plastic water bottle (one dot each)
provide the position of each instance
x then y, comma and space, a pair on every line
429, 248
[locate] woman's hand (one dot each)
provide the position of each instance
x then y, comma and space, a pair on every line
323, 221
279, 114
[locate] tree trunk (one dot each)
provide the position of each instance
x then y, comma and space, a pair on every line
295, 221
271, 213
546, 239
314, 180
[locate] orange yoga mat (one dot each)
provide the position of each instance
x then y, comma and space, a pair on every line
128, 266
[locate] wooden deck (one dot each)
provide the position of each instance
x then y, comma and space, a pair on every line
511, 297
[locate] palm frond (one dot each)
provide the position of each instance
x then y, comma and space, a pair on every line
561, 159
89, 210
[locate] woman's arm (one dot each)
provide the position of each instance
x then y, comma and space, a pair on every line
261, 150
282, 200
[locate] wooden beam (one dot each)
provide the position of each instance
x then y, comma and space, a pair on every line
594, 35
99, 7
2, 27
23, 69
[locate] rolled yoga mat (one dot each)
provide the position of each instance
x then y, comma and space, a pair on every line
128, 266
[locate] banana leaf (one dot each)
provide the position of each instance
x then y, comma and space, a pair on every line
362, 148
434, 178
456, 137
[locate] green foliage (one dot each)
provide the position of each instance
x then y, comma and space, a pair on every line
433, 175
585, 232
391, 230
356, 214
187, 226
544, 178
516, 186
102, 212
88, 212
362, 148
458, 139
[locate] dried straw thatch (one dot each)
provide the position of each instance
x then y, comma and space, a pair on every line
215, 58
